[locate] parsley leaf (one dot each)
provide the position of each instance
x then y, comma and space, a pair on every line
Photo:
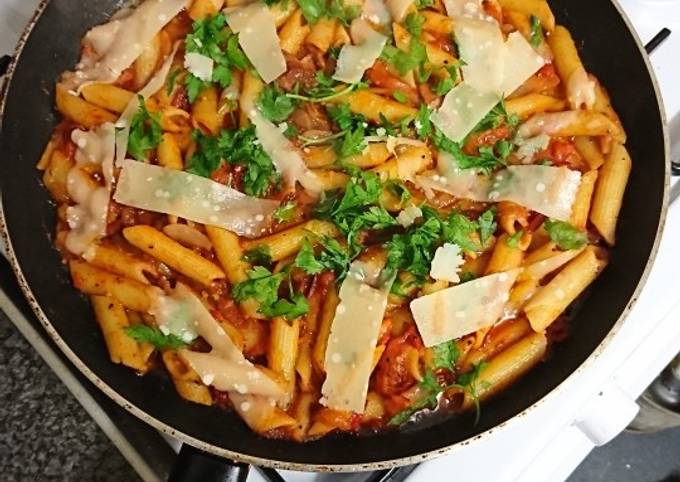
469, 381
513, 241
306, 260
420, 4
149, 334
352, 143
263, 286
315, 10
488, 159
487, 225
406, 61
145, 132
238, 147
445, 355
537, 36
211, 38
459, 230
258, 255
399, 96
422, 123
466, 276
565, 235
274, 104
285, 212
414, 23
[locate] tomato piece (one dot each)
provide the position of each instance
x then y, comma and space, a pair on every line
564, 153
486, 138
392, 373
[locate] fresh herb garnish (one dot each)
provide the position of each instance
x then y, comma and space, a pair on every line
285, 212
210, 37
149, 334
414, 23
259, 255
565, 235
274, 104
513, 240
145, 132
263, 286
403, 61
315, 10
238, 147
487, 225
536, 38
445, 355
399, 96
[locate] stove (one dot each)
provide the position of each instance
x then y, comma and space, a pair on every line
586, 411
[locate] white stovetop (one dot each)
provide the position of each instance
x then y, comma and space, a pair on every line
594, 406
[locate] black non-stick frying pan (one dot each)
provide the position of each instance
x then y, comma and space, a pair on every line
609, 49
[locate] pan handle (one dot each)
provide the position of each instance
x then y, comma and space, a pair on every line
193, 465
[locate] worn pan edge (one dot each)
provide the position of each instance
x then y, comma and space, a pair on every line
409, 460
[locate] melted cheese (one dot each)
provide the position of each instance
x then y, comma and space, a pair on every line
199, 65
87, 219
446, 263
257, 36
580, 90
285, 156
191, 197
549, 123
461, 110
354, 60
113, 47
353, 338
123, 123
463, 309
545, 189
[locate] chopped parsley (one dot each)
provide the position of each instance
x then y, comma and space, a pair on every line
274, 104
513, 241
537, 37
445, 355
285, 212
487, 225
237, 147
565, 235
403, 61
263, 286
150, 334
210, 37
145, 132
315, 10
414, 23
399, 96
259, 255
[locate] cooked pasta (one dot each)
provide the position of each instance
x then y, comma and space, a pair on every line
327, 223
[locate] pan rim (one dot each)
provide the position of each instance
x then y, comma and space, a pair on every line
356, 467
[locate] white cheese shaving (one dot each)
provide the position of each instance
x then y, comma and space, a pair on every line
526, 148
446, 263
258, 38
155, 84
545, 189
191, 197
112, 47
467, 103
398, 8
464, 8
353, 338
377, 12
463, 309
199, 65
409, 215
481, 45
580, 90
354, 60
87, 218
285, 156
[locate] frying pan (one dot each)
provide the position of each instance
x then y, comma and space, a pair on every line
51, 45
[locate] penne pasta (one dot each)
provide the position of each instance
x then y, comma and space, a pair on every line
504, 257
107, 96
201, 9
204, 111
293, 33
80, 111
552, 299
590, 151
322, 34
539, 8
169, 153
373, 105
406, 164
283, 349
325, 157
584, 196
288, 242
170, 252
609, 190
117, 261
531, 104
186, 380
325, 322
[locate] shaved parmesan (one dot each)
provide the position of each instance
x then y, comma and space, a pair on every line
229, 376
521, 62
539, 269
461, 110
463, 309
526, 148
353, 338
481, 46
377, 12
123, 123
87, 218
459, 8
549, 123
199, 65
112, 47
184, 315
580, 90
258, 38
285, 156
354, 60
545, 189
398, 8
409, 215
487, 76
191, 197
446, 263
